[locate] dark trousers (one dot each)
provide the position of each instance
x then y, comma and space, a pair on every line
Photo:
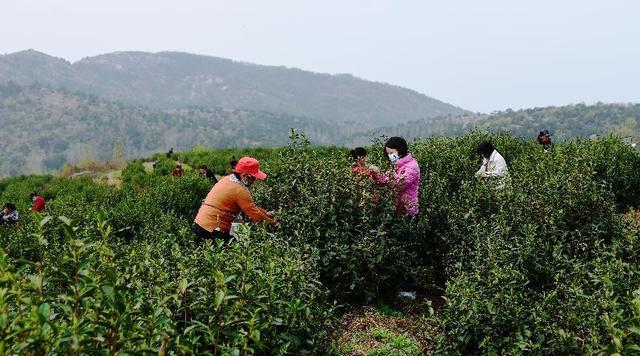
203, 234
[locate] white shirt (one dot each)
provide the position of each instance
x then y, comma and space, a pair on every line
495, 166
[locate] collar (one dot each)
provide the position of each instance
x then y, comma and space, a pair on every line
233, 178
404, 160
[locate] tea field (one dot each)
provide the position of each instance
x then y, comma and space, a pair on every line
548, 265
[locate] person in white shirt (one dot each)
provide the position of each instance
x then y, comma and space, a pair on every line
493, 164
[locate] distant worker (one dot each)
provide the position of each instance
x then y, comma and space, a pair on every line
170, 153
227, 199
233, 163
207, 173
9, 214
38, 203
405, 179
358, 156
177, 172
544, 138
493, 164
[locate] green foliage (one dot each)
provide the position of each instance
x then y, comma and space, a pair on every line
528, 267
379, 342
164, 167
134, 174
182, 80
323, 206
218, 160
86, 290
76, 119
545, 265
565, 122
394, 344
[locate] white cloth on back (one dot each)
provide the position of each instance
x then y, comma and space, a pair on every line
495, 166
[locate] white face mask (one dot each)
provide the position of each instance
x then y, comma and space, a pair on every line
393, 157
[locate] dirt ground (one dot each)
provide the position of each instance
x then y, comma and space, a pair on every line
376, 330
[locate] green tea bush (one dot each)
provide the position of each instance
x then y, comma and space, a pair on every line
134, 175
164, 167
348, 221
524, 266
155, 295
545, 265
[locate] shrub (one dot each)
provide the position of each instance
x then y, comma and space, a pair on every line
545, 265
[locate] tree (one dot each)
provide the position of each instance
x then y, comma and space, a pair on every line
628, 129
118, 151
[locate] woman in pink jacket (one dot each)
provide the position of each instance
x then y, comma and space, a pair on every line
405, 179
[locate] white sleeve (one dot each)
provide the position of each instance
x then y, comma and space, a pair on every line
498, 167
481, 172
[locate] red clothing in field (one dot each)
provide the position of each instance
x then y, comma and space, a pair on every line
361, 168
38, 204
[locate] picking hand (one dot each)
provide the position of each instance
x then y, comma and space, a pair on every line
374, 168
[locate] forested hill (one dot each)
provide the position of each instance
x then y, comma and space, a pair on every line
43, 128
177, 80
564, 122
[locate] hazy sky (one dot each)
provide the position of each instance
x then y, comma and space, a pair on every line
481, 55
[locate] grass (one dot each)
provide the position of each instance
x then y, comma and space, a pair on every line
379, 331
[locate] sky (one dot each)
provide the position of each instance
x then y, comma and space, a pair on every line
480, 55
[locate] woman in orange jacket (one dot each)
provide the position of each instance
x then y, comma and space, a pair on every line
227, 199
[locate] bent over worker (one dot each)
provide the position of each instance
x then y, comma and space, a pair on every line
227, 199
9, 214
494, 166
38, 202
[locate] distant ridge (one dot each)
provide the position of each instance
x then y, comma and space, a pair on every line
565, 122
44, 128
178, 80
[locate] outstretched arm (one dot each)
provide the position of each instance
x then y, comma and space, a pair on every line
245, 201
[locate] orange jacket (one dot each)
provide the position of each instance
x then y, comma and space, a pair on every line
223, 204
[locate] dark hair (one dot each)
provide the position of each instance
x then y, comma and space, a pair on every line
11, 206
233, 163
397, 143
33, 194
358, 152
485, 148
203, 167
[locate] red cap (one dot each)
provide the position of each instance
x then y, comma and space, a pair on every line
250, 165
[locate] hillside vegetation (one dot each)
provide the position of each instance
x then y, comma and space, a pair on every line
547, 265
565, 122
178, 80
44, 129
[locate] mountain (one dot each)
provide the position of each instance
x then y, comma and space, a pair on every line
43, 128
178, 80
564, 122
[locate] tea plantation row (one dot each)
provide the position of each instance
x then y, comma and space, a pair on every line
546, 265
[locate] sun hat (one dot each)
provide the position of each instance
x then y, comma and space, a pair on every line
250, 165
